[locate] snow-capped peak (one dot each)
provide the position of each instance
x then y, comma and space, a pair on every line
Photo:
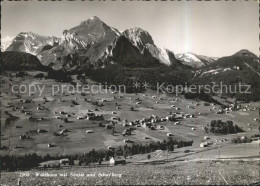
194, 60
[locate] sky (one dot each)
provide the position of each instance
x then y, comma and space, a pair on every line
211, 28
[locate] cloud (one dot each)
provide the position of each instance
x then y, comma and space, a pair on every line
5, 42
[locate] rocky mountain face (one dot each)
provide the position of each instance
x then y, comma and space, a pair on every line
31, 43
194, 60
144, 42
94, 43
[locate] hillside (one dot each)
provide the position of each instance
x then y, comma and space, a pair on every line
18, 61
242, 67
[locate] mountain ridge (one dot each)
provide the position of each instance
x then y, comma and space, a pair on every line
93, 42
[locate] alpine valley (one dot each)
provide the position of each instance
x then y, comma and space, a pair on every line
87, 108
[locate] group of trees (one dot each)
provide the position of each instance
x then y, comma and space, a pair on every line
115, 74
218, 126
245, 139
129, 150
241, 140
13, 163
18, 61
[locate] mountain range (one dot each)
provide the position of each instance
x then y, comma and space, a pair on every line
94, 43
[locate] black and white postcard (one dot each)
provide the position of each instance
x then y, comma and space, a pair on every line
130, 92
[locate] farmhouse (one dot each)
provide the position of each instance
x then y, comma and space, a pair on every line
117, 160
204, 144
64, 161
51, 145
169, 134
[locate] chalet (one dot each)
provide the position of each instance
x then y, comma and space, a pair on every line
56, 134
62, 112
126, 132
80, 117
63, 131
90, 114
23, 137
117, 160
41, 131
204, 144
169, 134
51, 145
151, 128
111, 148
243, 137
127, 141
64, 161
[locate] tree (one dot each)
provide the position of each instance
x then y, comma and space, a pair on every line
113, 130
100, 161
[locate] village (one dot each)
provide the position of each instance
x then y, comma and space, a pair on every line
68, 124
